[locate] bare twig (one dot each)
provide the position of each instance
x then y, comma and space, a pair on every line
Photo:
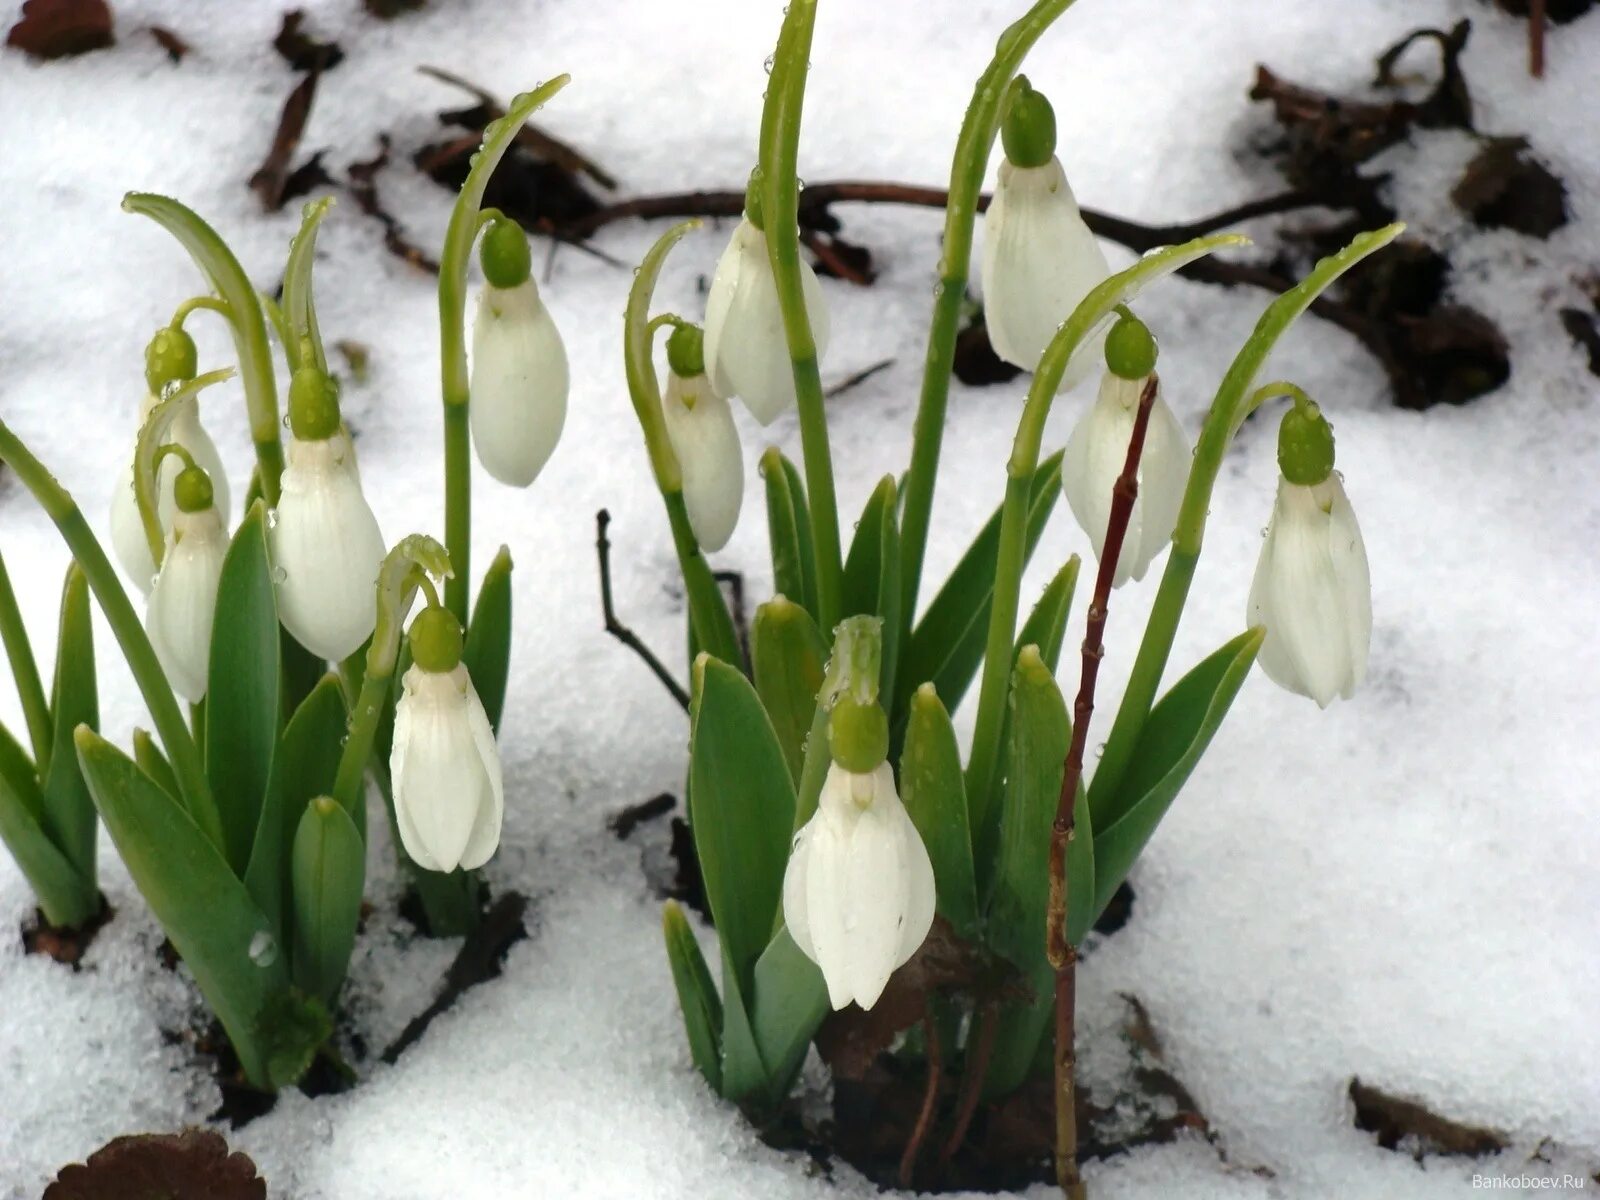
1062, 954
973, 1070
930, 1101
1536, 38
616, 628
860, 377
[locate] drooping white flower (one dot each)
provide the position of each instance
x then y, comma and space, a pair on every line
1313, 593
448, 798
519, 383
1097, 451
746, 352
700, 426
326, 550
1039, 261
858, 894
127, 530
183, 600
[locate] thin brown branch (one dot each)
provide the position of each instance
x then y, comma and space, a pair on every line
973, 1072
930, 1101
1062, 954
1536, 38
616, 628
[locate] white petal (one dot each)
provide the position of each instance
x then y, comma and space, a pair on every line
326, 549
128, 536
746, 352
184, 599
1096, 451
519, 383
876, 885
1163, 476
921, 897
1039, 261
825, 902
441, 780
795, 914
700, 426
1353, 579
485, 836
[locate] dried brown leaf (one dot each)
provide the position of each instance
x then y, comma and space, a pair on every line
1408, 1124
302, 51
192, 1165
60, 28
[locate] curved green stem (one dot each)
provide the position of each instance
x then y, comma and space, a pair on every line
1012, 555
1227, 412
454, 379
780, 199
165, 711
197, 303
1266, 392
967, 170
245, 319
148, 450
25, 671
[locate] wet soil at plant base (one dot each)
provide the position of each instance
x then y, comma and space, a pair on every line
67, 946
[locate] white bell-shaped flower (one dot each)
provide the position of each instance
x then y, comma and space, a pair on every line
858, 894
1095, 455
183, 601
704, 440
1313, 593
519, 383
326, 550
448, 798
127, 530
746, 352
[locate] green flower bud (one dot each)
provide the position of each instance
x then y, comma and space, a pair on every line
1305, 445
169, 356
192, 490
313, 405
504, 253
1130, 349
436, 640
686, 355
1029, 129
858, 735
752, 200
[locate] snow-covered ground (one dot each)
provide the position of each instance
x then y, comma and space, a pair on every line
1401, 888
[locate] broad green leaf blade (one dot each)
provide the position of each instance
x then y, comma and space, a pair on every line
813, 769
872, 575
225, 940
68, 810
1173, 738
789, 531
946, 646
64, 894
488, 649
154, 763
741, 810
1040, 732
790, 1001
304, 767
788, 656
302, 671
328, 867
745, 1078
1046, 626
697, 994
24, 670
934, 794
243, 709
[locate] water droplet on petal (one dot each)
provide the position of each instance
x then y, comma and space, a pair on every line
263, 949
279, 575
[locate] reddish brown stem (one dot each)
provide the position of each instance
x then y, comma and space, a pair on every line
1062, 954
1536, 38
972, 1077
930, 1101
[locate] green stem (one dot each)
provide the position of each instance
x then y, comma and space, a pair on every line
967, 170
458, 506
196, 303
780, 149
1024, 460
30, 688
364, 721
1227, 412
165, 711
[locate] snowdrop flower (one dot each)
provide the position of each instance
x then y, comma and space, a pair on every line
1312, 590
1097, 451
448, 798
700, 426
746, 351
170, 357
1039, 258
519, 364
858, 894
183, 599
325, 542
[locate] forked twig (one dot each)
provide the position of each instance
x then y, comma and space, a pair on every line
616, 628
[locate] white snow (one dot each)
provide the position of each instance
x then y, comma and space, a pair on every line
1400, 888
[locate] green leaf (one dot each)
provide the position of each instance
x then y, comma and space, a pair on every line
303, 768
328, 869
946, 646
1046, 626
488, 649
872, 575
789, 656
223, 937
790, 1002
299, 309
934, 794
1170, 744
243, 709
741, 810
302, 671
794, 566
745, 1078
697, 994
154, 763
64, 894
68, 811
